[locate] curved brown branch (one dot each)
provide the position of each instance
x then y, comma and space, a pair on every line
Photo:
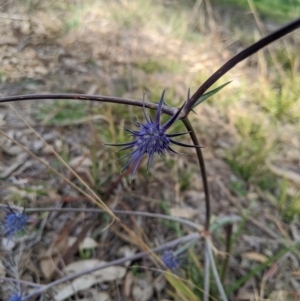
239, 58
202, 170
85, 97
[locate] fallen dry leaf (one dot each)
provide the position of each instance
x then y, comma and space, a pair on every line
183, 212
98, 296
126, 251
72, 250
77, 285
80, 161
279, 296
245, 296
87, 243
271, 271
107, 274
49, 265
127, 284
245, 293
296, 273
6, 172
159, 283
8, 244
255, 256
51, 258
142, 291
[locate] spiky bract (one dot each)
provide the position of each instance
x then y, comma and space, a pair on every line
151, 138
14, 222
15, 297
170, 260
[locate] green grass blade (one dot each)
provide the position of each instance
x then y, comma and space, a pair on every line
180, 287
259, 268
215, 271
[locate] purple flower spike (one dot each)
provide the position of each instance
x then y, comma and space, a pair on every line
151, 138
14, 222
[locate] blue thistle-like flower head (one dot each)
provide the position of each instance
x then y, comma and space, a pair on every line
170, 260
14, 222
151, 138
15, 297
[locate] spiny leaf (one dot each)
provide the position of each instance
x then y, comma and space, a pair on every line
209, 94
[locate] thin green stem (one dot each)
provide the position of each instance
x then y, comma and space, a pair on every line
206, 272
215, 271
228, 251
